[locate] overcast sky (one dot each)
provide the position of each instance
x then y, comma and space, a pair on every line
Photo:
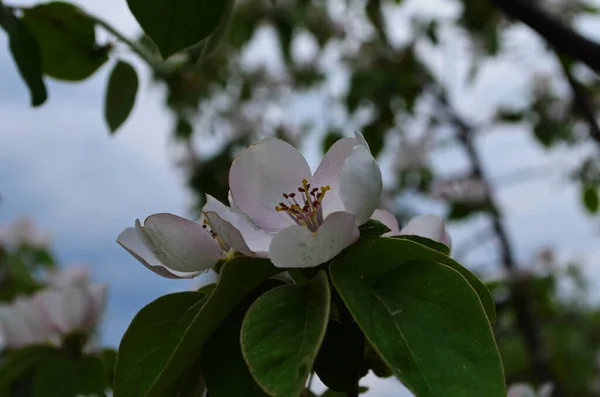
59, 166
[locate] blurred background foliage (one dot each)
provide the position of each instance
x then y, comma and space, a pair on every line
352, 61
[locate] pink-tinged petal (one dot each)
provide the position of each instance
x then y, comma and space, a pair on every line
388, 219
259, 177
328, 173
41, 327
231, 203
360, 184
15, 329
239, 234
298, 247
132, 242
429, 226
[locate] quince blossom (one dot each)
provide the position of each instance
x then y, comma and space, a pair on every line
70, 305
278, 209
296, 218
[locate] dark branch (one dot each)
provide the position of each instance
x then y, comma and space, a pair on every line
560, 36
581, 102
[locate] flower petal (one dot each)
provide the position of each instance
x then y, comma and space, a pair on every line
297, 246
180, 244
429, 226
260, 175
388, 219
360, 184
130, 240
328, 173
243, 237
97, 294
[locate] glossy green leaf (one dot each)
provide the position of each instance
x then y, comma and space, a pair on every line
120, 95
67, 40
177, 24
590, 198
151, 339
238, 278
340, 359
26, 54
281, 335
190, 383
372, 229
17, 362
62, 376
416, 251
435, 245
423, 318
222, 358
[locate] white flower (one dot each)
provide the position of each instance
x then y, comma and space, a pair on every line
51, 314
298, 219
524, 390
429, 226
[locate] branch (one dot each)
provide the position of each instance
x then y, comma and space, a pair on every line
581, 101
560, 36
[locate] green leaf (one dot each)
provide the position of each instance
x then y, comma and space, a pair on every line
436, 245
120, 94
26, 53
372, 229
171, 356
67, 40
590, 198
62, 376
177, 24
18, 362
190, 383
222, 358
151, 338
281, 335
422, 317
340, 360
414, 250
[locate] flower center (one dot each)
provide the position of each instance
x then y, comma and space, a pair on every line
222, 244
309, 211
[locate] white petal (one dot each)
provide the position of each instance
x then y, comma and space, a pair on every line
360, 140
297, 246
180, 244
131, 241
15, 329
388, 219
328, 173
240, 234
259, 177
520, 390
429, 226
360, 184
231, 203
41, 327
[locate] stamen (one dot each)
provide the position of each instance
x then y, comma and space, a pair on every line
309, 212
222, 244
